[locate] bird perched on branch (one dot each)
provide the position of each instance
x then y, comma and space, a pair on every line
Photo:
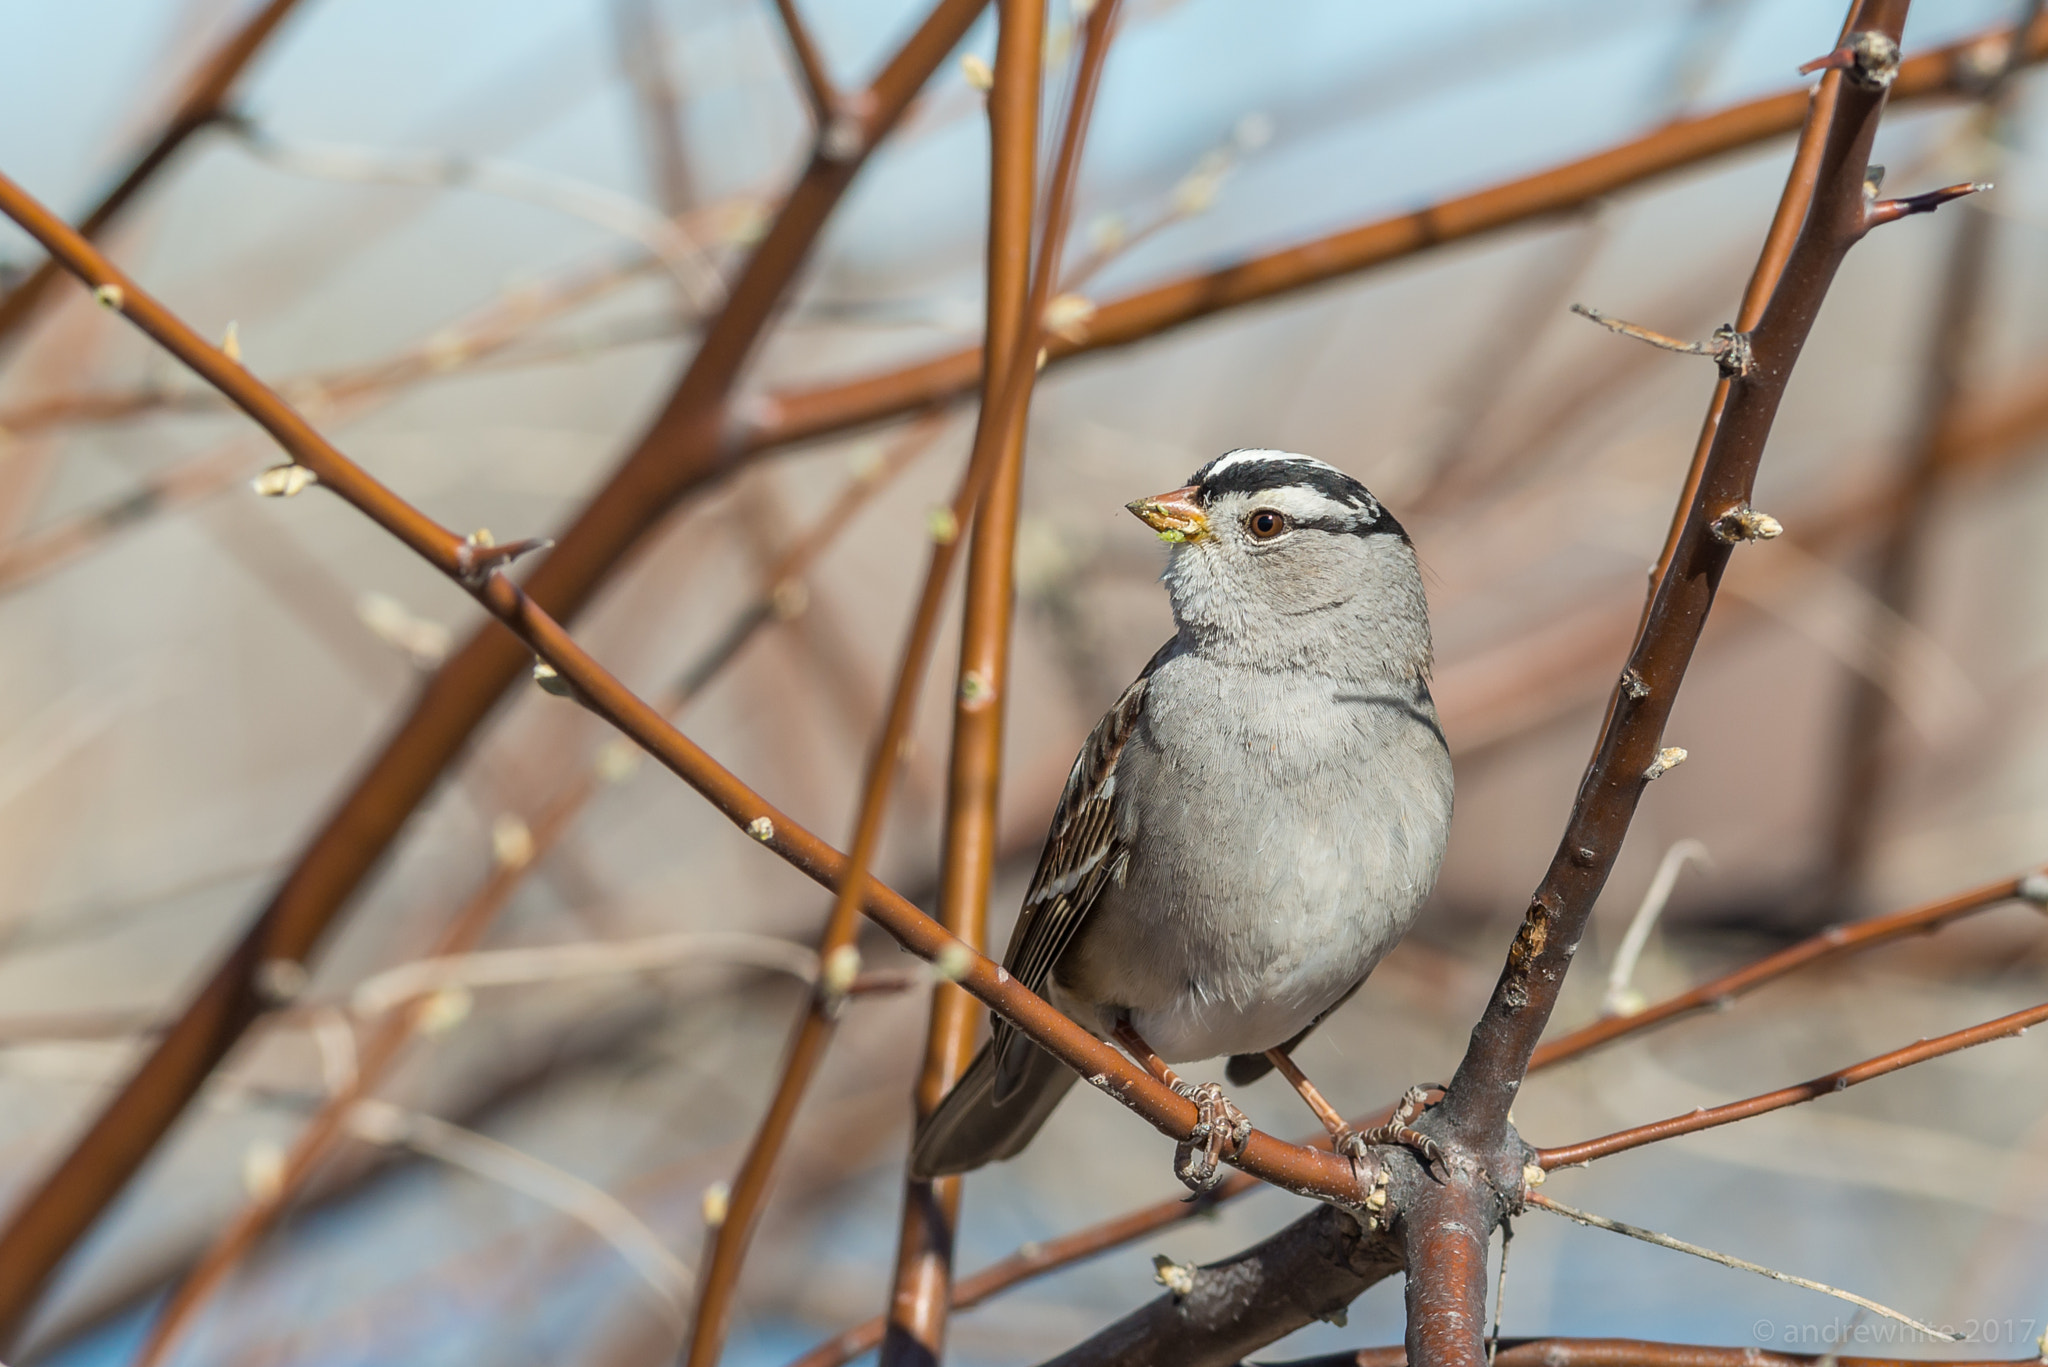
1249, 830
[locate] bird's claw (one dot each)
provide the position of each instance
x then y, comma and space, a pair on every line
1220, 1127
1397, 1131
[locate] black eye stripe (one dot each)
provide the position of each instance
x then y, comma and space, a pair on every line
1263, 475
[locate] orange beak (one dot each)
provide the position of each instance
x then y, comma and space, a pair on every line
1175, 516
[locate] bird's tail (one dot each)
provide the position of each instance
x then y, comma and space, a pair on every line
971, 1128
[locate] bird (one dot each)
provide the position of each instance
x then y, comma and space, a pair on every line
1249, 829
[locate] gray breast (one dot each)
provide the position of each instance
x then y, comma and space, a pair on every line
1284, 832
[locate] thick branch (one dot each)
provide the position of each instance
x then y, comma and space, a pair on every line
1310, 1270
919, 1299
1505, 1039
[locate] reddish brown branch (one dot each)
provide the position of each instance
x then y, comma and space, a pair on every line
683, 447
1015, 305
1001, 409
201, 103
805, 414
1564, 1352
822, 95
1504, 1041
1472, 1121
1828, 944
2005, 1027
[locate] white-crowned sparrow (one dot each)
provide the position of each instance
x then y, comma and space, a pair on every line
1252, 826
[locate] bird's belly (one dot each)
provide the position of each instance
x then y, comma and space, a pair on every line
1270, 867
1199, 977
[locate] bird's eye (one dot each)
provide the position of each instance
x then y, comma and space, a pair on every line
1265, 524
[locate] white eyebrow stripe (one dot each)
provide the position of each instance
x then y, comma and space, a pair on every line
1224, 462
1299, 502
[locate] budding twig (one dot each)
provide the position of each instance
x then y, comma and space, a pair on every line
1889, 210
476, 558
1651, 1236
1920, 1051
380, 1122
1728, 348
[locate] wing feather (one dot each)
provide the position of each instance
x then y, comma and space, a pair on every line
1084, 853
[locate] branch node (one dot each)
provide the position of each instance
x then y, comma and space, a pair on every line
953, 962
110, 297
551, 682
942, 526
978, 72
1744, 523
283, 481
763, 830
1669, 758
976, 690
1068, 316
1178, 1278
2034, 888
512, 846
716, 1205
843, 138
280, 982
1869, 60
618, 759
1632, 684
790, 599
837, 975
480, 554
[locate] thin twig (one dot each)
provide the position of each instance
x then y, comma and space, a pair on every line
1016, 298
819, 91
1622, 999
201, 102
1650, 1236
1824, 946
2005, 1027
643, 57
594, 204
380, 1122
1729, 349
418, 978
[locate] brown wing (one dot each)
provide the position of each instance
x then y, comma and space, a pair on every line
1083, 853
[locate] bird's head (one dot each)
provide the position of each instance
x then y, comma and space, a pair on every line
1285, 562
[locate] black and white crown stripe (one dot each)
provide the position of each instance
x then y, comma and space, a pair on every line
1254, 470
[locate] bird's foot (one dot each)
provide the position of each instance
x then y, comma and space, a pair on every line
1397, 1130
1220, 1128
